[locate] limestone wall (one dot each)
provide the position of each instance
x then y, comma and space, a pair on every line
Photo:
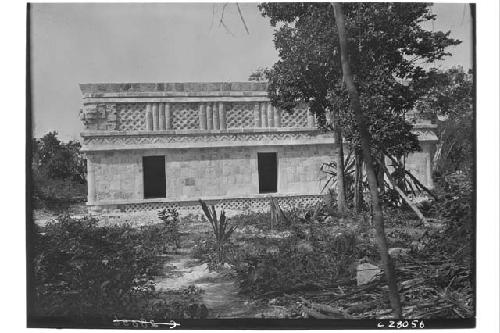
299, 168
116, 176
207, 173
420, 163
210, 135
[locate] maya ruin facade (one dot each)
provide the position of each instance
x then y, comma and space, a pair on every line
150, 146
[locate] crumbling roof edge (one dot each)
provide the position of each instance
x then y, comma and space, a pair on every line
91, 88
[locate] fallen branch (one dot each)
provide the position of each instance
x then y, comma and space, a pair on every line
413, 178
315, 314
403, 195
325, 308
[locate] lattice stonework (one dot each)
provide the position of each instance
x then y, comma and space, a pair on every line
131, 117
236, 204
297, 119
240, 115
185, 116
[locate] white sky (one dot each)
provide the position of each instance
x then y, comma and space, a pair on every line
85, 43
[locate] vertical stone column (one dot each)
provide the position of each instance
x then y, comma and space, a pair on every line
256, 115
168, 116
222, 116
215, 116
263, 114
155, 117
149, 117
90, 180
277, 117
428, 164
209, 116
162, 116
329, 118
270, 115
310, 119
202, 116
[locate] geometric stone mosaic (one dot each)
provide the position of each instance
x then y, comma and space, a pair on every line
185, 116
297, 119
131, 117
240, 115
260, 204
179, 138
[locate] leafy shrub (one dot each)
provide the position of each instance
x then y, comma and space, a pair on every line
84, 271
170, 228
206, 250
455, 208
306, 260
259, 220
48, 192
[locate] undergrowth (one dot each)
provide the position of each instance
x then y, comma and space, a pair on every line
83, 271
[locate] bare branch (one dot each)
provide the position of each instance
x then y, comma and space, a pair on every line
221, 21
242, 18
213, 16
227, 29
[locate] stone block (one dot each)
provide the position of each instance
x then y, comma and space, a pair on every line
366, 273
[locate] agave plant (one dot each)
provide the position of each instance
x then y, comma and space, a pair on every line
221, 229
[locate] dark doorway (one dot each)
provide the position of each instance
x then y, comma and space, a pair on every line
268, 172
154, 176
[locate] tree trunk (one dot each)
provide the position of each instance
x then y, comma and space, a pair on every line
341, 197
277, 215
378, 218
380, 173
358, 182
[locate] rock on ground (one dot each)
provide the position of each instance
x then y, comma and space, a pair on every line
398, 252
366, 273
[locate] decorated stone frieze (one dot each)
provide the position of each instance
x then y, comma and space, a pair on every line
425, 134
164, 141
101, 116
195, 106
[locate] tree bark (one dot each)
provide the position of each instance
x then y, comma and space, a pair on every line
341, 196
380, 173
378, 218
277, 215
358, 182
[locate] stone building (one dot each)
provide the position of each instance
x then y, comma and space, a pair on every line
168, 144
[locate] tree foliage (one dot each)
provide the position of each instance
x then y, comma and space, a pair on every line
58, 160
387, 47
58, 170
449, 97
260, 74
